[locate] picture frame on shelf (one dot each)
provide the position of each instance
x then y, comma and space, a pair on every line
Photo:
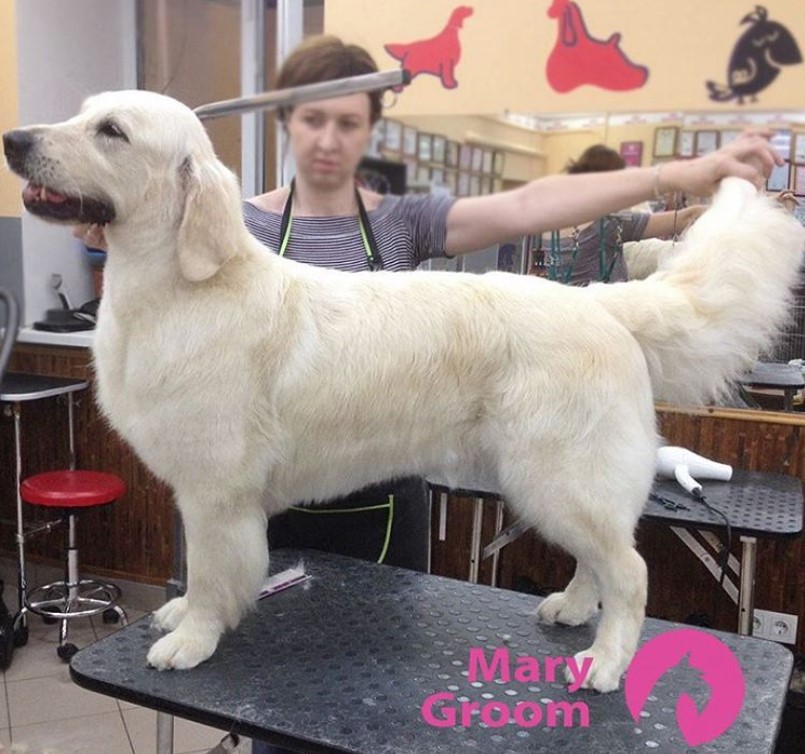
451, 154
477, 159
799, 180
465, 157
665, 141
424, 147
632, 153
799, 148
706, 143
475, 185
451, 181
410, 143
498, 162
686, 146
378, 137
392, 136
486, 165
438, 149
463, 184
728, 135
779, 178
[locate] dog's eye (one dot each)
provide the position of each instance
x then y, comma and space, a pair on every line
112, 130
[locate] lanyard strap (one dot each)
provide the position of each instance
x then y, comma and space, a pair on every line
373, 258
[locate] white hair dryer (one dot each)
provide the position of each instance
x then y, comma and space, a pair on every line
686, 467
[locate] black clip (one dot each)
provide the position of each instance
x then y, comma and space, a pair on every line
667, 503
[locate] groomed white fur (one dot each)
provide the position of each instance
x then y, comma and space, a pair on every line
249, 382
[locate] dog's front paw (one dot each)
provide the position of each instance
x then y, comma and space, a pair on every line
182, 649
559, 608
603, 675
170, 615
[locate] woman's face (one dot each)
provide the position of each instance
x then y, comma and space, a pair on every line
328, 138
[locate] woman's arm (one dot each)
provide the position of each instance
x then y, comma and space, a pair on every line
664, 224
562, 201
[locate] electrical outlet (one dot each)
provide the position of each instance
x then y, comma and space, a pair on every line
780, 627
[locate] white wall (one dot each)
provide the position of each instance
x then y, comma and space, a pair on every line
67, 50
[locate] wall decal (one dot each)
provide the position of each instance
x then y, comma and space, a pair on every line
757, 58
438, 55
578, 58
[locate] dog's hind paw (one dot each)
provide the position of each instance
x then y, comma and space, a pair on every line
604, 675
560, 608
170, 615
182, 649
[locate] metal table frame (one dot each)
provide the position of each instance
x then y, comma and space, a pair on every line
758, 504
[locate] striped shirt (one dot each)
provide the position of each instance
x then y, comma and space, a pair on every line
408, 230
599, 249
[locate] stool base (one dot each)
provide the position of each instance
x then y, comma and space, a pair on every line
63, 602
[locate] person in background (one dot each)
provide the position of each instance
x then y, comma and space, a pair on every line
323, 218
595, 251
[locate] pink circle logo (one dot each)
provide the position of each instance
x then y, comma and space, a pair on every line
719, 669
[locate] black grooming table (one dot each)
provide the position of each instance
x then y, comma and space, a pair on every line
757, 504
344, 663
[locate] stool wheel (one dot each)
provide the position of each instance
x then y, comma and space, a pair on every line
21, 636
66, 651
49, 619
110, 616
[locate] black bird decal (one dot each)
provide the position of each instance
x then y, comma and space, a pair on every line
756, 59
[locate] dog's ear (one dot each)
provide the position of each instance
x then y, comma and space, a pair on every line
211, 218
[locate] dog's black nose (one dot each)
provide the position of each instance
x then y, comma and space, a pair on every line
17, 144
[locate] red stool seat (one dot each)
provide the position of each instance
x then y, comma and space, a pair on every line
72, 489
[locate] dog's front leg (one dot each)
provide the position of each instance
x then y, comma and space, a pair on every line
227, 560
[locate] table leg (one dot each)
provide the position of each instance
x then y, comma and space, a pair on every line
22, 580
475, 547
746, 601
164, 733
498, 529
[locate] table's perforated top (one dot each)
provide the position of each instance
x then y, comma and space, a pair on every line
345, 663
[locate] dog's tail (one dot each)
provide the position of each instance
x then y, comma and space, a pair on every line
707, 314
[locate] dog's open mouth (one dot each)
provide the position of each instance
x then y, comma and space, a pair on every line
52, 205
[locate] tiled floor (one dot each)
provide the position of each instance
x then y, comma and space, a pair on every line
43, 712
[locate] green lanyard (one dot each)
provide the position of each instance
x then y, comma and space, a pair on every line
373, 258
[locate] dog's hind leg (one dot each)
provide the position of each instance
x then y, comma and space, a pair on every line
609, 567
623, 582
592, 516
227, 560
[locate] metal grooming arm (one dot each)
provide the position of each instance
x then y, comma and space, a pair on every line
311, 92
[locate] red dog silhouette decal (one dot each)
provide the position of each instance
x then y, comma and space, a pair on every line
578, 59
438, 55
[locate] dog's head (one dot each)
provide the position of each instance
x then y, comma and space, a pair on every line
136, 159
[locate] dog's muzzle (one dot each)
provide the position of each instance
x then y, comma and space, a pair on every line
19, 147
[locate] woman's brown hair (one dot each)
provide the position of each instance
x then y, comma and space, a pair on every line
325, 58
596, 159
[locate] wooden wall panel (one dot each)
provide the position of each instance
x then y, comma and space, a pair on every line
131, 538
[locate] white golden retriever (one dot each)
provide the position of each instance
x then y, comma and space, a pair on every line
249, 382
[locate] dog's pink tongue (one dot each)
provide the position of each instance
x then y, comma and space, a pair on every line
36, 193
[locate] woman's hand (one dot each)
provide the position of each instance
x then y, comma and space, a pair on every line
92, 236
787, 199
750, 157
